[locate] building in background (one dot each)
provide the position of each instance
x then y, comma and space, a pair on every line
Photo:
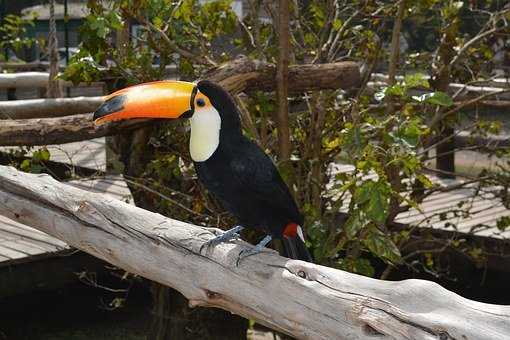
67, 27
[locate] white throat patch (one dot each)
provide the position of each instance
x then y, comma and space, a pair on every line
205, 133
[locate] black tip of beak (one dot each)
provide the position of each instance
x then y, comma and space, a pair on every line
110, 106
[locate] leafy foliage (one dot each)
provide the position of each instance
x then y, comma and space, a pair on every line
13, 32
385, 131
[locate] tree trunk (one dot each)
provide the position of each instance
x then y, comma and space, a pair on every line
282, 81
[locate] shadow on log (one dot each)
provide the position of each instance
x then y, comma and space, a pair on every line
301, 299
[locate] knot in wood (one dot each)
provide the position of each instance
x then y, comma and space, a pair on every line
302, 274
83, 206
212, 295
444, 336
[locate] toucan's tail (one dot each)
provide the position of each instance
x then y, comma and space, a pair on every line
294, 243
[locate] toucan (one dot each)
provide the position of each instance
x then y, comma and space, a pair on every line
231, 166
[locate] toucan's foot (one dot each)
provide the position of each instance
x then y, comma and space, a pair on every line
224, 237
255, 250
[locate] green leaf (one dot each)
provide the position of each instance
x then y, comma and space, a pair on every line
44, 154
41, 155
381, 245
435, 98
318, 14
36, 169
396, 90
379, 204
115, 20
363, 192
25, 165
357, 265
337, 24
416, 80
427, 183
373, 197
503, 223
354, 224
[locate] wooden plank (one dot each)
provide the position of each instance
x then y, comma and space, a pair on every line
43, 247
443, 202
14, 228
17, 239
427, 210
87, 154
11, 254
25, 248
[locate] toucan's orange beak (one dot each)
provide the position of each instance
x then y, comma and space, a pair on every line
160, 99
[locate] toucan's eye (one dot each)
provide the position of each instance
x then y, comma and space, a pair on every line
201, 102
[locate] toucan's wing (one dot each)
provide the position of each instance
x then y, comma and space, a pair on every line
256, 173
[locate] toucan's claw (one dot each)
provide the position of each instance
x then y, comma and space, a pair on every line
224, 237
255, 250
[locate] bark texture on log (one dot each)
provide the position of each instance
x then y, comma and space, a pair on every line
48, 108
239, 75
246, 75
45, 131
301, 299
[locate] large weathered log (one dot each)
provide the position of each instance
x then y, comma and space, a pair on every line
301, 299
46, 131
48, 108
239, 75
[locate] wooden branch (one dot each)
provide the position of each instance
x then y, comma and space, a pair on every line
395, 43
301, 299
45, 131
247, 75
33, 80
239, 75
48, 108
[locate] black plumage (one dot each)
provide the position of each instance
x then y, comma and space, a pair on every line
244, 179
